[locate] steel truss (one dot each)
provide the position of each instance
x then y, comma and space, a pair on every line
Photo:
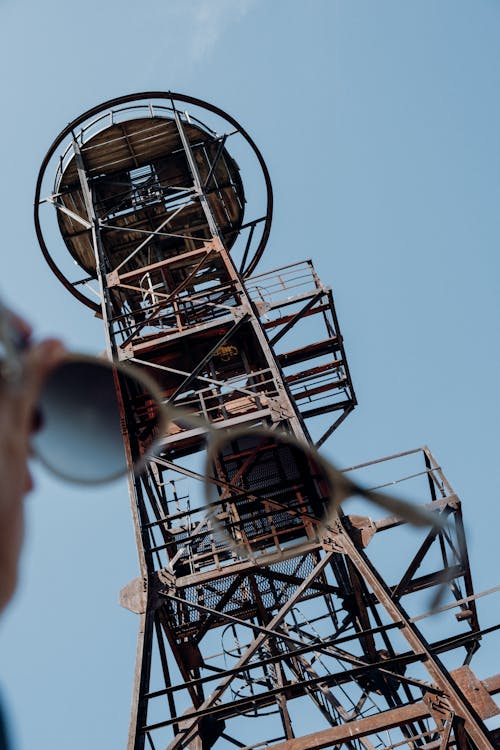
312, 645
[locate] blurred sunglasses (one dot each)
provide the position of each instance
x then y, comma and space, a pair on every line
263, 487
78, 425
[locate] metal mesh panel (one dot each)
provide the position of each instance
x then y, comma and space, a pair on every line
242, 602
274, 488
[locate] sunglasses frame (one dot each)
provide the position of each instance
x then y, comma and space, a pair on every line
170, 413
343, 486
146, 384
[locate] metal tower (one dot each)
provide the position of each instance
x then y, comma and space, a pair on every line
307, 643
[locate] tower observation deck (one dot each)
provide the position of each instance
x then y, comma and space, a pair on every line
284, 640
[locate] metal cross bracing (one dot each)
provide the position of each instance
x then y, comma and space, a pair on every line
320, 625
311, 643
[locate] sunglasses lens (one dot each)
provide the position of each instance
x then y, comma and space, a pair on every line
79, 432
267, 492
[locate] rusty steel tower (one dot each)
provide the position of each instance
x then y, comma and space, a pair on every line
164, 203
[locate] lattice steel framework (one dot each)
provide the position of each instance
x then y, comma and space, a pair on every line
317, 646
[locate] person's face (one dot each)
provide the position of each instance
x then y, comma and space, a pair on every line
17, 406
11, 540
15, 483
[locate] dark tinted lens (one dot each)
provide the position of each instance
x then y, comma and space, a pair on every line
80, 434
268, 493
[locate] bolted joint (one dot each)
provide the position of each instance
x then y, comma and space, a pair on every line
439, 708
279, 408
166, 581
112, 279
125, 352
332, 538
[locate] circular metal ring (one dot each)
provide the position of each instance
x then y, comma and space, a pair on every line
110, 104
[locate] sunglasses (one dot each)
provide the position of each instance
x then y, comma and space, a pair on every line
264, 488
261, 483
79, 424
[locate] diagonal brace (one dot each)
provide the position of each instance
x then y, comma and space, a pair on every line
295, 318
199, 367
190, 730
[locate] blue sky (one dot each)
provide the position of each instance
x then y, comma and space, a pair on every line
379, 124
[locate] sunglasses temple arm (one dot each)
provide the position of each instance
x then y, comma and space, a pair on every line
407, 511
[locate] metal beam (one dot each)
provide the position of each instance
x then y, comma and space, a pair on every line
440, 675
183, 739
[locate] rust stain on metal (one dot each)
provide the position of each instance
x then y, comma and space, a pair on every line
152, 206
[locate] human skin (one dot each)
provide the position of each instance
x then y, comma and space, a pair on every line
17, 408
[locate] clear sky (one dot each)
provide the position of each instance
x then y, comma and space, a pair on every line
379, 123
